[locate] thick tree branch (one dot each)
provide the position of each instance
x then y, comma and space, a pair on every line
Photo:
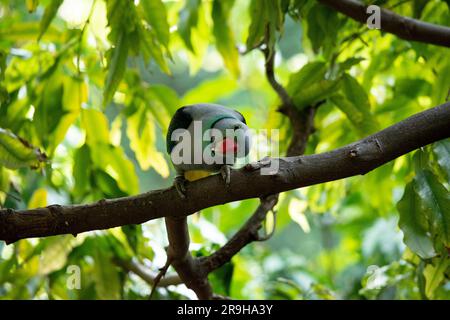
403, 27
294, 172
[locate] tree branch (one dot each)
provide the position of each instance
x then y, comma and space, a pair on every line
294, 172
403, 27
147, 275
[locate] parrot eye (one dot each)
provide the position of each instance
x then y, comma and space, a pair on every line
236, 127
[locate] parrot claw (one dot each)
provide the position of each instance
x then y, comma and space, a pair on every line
225, 171
180, 185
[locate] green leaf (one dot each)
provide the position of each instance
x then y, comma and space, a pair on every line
188, 19
316, 92
414, 224
442, 151
267, 17
363, 122
116, 67
16, 153
224, 37
115, 163
436, 202
141, 133
81, 170
210, 90
309, 74
354, 102
106, 276
49, 14
355, 93
435, 274
38, 199
322, 26
156, 15
32, 5
96, 125
53, 257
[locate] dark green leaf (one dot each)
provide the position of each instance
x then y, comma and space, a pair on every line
414, 224
436, 202
116, 67
442, 151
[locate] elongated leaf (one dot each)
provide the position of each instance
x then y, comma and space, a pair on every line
38, 199
116, 67
316, 92
96, 125
224, 37
17, 153
49, 14
141, 133
442, 151
355, 93
156, 15
32, 5
188, 19
435, 274
363, 122
414, 224
81, 172
115, 163
436, 201
267, 17
309, 74
105, 274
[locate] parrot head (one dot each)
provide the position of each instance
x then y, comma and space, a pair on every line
233, 138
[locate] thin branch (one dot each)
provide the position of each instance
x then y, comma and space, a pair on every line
404, 27
293, 172
147, 275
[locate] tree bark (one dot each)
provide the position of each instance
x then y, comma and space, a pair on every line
403, 27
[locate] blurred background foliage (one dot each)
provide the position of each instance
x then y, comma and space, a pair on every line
87, 89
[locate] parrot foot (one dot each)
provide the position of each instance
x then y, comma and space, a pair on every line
225, 172
180, 185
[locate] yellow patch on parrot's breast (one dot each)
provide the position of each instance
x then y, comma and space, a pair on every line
193, 175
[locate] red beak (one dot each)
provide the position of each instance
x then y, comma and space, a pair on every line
227, 146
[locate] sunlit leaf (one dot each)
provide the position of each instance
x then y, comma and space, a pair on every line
224, 36
49, 14
188, 19
156, 15
435, 274
141, 133
32, 5
17, 153
38, 199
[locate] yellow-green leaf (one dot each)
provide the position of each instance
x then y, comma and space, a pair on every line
224, 37
49, 14
38, 199
16, 153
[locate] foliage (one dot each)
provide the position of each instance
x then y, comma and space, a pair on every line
87, 89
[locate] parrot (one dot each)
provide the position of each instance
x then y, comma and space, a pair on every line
203, 139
